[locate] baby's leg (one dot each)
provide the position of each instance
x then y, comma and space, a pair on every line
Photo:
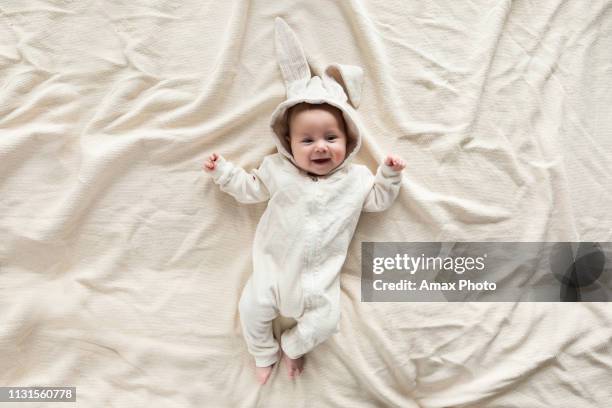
314, 327
257, 311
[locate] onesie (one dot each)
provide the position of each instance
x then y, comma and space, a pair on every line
303, 236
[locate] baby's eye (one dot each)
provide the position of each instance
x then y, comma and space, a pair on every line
307, 141
332, 137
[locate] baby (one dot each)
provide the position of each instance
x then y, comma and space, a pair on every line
315, 196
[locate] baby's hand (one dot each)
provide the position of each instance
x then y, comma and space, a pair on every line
211, 164
395, 163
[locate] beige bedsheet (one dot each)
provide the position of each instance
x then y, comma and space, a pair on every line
121, 263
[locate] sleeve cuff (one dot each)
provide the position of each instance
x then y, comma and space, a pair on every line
220, 169
388, 172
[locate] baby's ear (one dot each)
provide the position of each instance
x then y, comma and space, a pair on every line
288, 142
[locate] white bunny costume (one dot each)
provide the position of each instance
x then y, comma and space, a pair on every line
302, 238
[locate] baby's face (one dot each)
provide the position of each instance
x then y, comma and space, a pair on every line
318, 141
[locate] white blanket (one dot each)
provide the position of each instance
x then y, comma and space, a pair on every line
121, 263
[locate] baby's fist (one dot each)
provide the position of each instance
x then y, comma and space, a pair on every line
211, 164
395, 163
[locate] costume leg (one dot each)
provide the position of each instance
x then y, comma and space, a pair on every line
257, 310
317, 324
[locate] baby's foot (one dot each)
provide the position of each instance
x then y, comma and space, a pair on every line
294, 366
263, 373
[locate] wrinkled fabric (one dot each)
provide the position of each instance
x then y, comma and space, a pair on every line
122, 264
300, 246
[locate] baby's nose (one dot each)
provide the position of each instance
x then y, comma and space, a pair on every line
321, 146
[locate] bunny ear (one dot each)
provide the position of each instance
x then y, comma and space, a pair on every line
289, 54
350, 76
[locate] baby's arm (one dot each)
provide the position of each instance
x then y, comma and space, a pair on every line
244, 187
387, 183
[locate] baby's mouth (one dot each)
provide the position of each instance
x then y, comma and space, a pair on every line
321, 161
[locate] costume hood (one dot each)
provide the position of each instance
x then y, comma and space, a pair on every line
339, 86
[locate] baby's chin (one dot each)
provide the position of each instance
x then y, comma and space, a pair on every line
318, 172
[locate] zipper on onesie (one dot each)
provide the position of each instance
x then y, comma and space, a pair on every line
313, 242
